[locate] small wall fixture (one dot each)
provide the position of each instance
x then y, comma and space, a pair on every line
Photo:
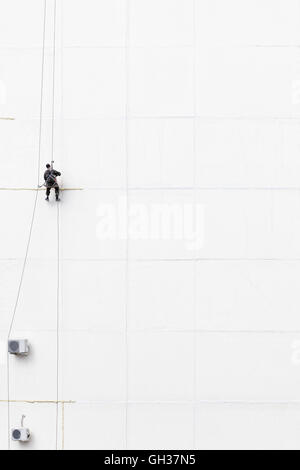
18, 347
21, 434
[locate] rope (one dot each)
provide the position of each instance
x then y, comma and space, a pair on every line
58, 227
57, 324
53, 82
32, 221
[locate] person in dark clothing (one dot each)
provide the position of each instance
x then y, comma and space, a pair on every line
51, 182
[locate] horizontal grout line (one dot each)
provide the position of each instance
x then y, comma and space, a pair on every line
161, 331
49, 48
39, 402
191, 46
39, 189
132, 47
187, 117
166, 188
159, 260
194, 402
270, 46
158, 402
207, 331
167, 117
196, 188
186, 46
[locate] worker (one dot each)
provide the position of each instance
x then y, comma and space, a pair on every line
50, 176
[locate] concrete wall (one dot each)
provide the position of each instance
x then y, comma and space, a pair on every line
149, 343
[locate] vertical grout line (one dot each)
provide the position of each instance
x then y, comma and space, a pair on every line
8, 403
195, 202
60, 257
63, 426
127, 102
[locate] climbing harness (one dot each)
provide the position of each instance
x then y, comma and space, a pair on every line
45, 183
51, 180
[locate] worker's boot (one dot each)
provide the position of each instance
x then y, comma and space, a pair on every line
47, 198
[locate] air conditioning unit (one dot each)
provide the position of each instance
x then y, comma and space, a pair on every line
20, 434
19, 347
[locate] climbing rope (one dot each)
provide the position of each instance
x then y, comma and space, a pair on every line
57, 324
58, 227
32, 218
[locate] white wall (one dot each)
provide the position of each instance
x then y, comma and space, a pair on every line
157, 346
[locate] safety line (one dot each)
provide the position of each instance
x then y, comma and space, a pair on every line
31, 224
58, 215
57, 323
53, 81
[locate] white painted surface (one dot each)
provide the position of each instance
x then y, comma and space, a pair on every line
159, 346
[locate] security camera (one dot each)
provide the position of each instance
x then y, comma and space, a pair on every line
18, 347
21, 434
